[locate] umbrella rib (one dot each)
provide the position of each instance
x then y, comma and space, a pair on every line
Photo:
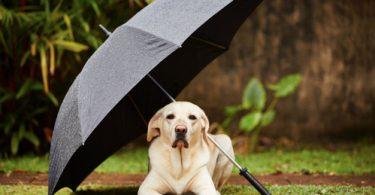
209, 42
137, 109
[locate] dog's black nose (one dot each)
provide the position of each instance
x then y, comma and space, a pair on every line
180, 129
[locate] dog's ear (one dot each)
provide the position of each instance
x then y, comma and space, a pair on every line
205, 123
154, 126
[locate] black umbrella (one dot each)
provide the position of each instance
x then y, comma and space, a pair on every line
172, 40
243, 171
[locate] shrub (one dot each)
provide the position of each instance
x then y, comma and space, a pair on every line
253, 112
43, 45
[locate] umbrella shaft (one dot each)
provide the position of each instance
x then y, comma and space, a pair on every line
224, 152
161, 87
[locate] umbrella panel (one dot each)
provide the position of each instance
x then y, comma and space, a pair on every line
119, 127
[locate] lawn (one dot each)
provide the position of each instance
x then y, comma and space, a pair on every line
358, 160
227, 190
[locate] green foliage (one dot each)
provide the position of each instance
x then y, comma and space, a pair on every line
43, 45
286, 85
267, 118
250, 121
20, 135
17, 126
254, 95
254, 115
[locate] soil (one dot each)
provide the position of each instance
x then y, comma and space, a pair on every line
114, 179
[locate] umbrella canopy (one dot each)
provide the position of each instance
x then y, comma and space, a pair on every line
111, 100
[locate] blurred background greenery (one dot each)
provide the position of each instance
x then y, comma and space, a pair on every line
293, 71
44, 45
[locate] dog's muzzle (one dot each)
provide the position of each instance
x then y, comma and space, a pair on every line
180, 140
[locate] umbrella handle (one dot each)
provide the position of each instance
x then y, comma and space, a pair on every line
243, 171
257, 185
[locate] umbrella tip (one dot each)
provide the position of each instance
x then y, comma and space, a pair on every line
105, 30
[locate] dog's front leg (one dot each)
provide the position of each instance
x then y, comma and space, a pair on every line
202, 184
152, 185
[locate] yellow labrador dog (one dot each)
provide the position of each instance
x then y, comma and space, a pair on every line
182, 159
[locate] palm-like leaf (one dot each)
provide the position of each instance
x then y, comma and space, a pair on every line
39, 45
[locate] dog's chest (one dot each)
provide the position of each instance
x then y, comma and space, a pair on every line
179, 167
181, 184
177, 177
180, 162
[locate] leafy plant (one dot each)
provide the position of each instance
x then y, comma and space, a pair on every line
18, 125
253, 111
43, 45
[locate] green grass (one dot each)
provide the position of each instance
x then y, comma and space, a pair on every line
126, 161
227, 190
26, 163
359, 160
300, 189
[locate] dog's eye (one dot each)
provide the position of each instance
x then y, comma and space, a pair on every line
170, 116
192, 117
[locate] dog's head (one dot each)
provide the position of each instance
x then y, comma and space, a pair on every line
179, 124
